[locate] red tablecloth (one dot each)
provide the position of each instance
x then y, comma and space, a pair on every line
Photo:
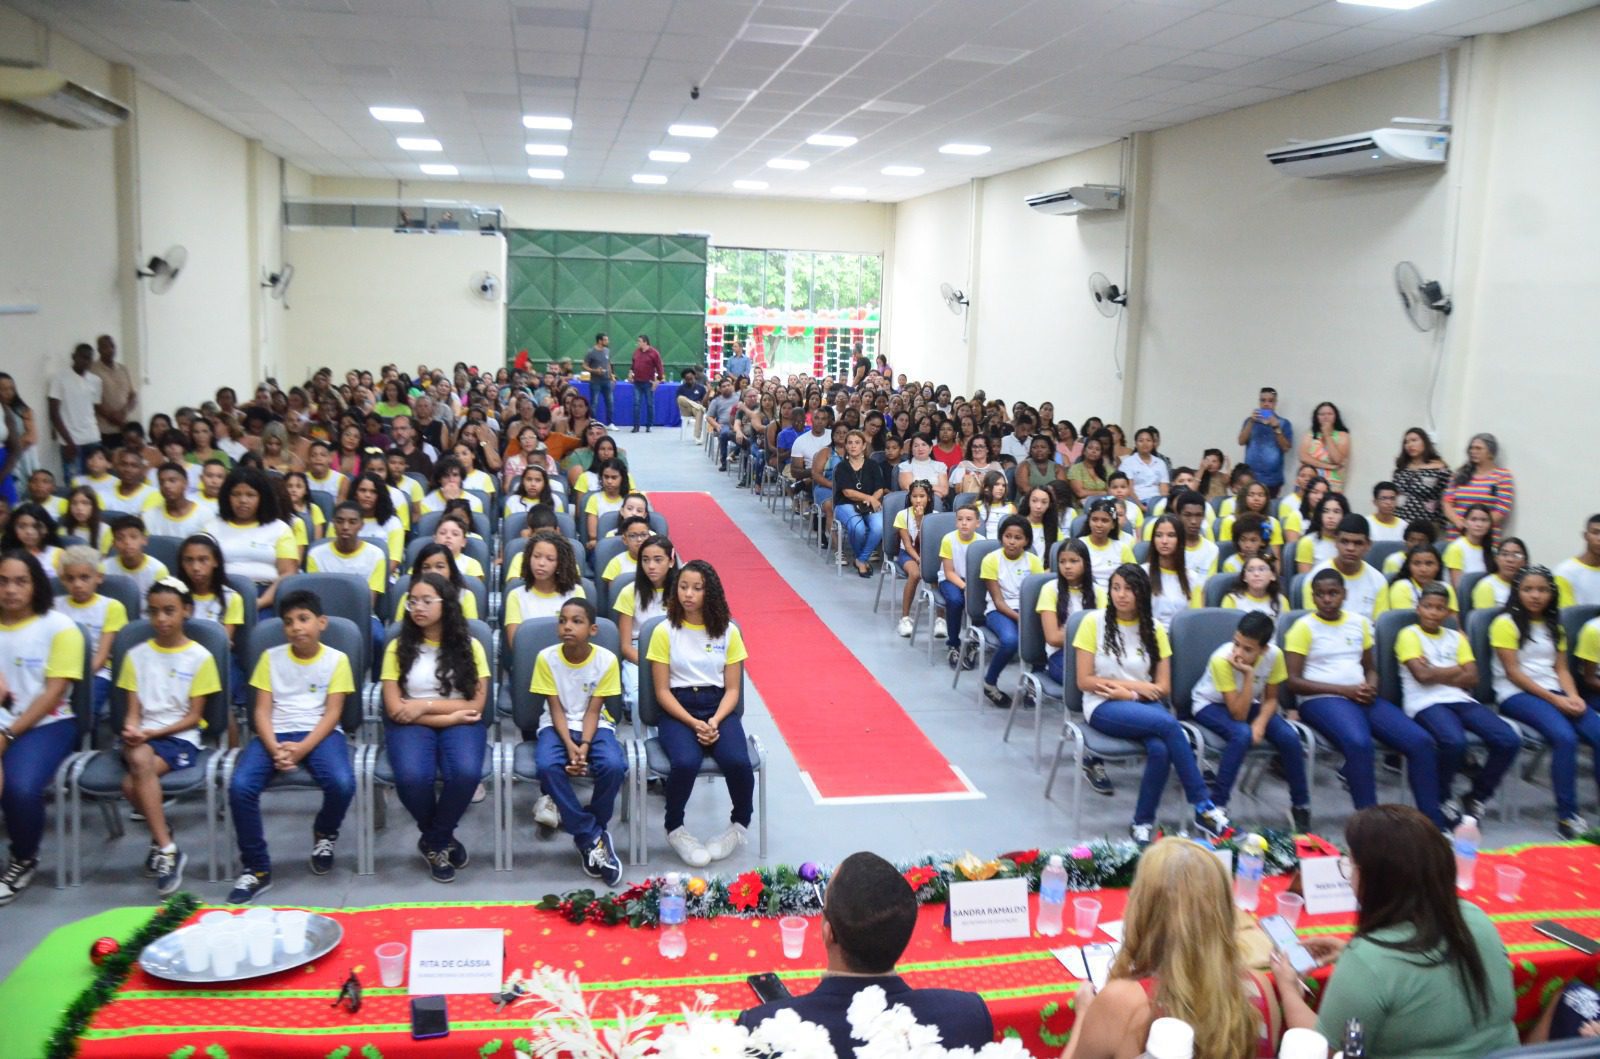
1027, 989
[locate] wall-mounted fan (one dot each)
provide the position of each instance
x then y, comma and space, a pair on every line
1424, 301
277, 283
955, 300
1108, 297
486, 285
162, 270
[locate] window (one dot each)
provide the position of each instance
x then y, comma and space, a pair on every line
793, 311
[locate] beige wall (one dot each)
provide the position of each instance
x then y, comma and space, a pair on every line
931, 246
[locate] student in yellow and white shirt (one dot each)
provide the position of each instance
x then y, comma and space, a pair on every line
41, 658
1386, 524
1437, 676
1248, 534
100, 617
174, 513
257, 544
405, 492
1321, 541
614, 488
1003, 571
31, 530
128, 558
1492, 590
552, 573
1473, 551
696, 659
1128, 508
472, 477
132, 492
99, 476
635, 531
1200, 553
41, 491
437, 559
1418, 534
953, 581
907, 530
1173, 587
1073, 590
167, 679
641, 598
1582, 571
1364, 586
319, 473
449, 483
1258, 589
1420, 569
1237, 698
1535, 686
1108, 546
347, 553
1587, 652
379, 523
452, 532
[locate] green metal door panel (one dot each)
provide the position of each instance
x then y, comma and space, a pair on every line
580, 244
626, 327
580, 285
682, 340
532, 282
691, 249
533, 330
633, 286
574, 334
624, 246
524, 242
683, 289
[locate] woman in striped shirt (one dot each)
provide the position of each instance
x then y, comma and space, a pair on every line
1480, 481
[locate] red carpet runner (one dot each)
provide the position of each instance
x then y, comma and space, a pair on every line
850, 739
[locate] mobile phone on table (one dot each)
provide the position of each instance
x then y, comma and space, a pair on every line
768, 987
1285, 941
428, 1019
1567, 936
1099, 957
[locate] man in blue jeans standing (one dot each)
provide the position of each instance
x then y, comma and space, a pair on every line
598, 364
1266, 436
646, 372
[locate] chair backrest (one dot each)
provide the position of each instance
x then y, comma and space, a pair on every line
1141, 550
977, 591
247, 600
962, 500
1219, 585
1070, 693
342, 635
533, 637
430, 522
1286, 699
1381, 550
1194, 635
1386, 630
82, 698
324, 500
1573, 619
608, 522
1225, 550
346, 595
208, 635
480, 632
893, 504
1464, 590
649, 712
1478, 623
164, 550
476, 548
489, 510
935, 526
1031, 646
1297, 589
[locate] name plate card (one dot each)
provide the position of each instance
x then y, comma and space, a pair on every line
452, 962
989, 910
1326, 889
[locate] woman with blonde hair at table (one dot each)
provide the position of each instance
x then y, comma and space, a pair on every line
1180, 959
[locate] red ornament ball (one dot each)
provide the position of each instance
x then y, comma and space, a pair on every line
102, 948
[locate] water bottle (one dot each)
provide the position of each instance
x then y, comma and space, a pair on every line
1250, 863
1467, 839
673, 944
1355, 1040
1052, 896
1169, 1039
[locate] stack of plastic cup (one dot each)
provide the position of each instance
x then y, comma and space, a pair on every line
226, 942
260, 938
292, 930
391, 963
1290, 906
195, 944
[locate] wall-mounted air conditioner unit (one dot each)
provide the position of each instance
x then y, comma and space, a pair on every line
52, 96
1077, 200
1378, 151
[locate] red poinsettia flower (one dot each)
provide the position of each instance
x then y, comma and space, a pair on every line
920, 876
745, 891
1027, 856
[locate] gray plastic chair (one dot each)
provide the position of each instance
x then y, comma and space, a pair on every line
164, 550
935, 527
893, 504
1464, 591
1218, 585
1034, 654
608, 522
974, 632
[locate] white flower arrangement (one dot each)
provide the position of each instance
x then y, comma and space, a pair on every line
564, 1025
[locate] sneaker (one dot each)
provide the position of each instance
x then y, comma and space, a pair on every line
545, 816
996, 697
459, 858
480, 794
16, 877
724, 844
940, 629
1143, 834
586, 855
1451, 812
688, 848
249, 886
1301, 817
1476, 808
1570, 827
602, 861
150, 861
1214, 821
322, 854
1094, 770
169, 870
969, 656
955, 657
905, 627
439, 865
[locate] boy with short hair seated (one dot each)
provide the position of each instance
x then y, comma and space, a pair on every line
300, 693
1364, 586
953, 583
1582, 571
577, 738
100, 617
1385, 524
42, 491
1419, 534
128, 558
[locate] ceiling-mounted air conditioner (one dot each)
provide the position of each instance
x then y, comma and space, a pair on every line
54, 97
1077, 200
1358, 154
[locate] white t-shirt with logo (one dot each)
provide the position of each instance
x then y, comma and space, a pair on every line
694, 658
1221, 679
1361, 592
422, 679
158, 523
300, 686
1447, 647
1583, 578
367, 562
32, 652
575, 683
1536, 655
1134, 664
1009, 574
166, 679
627, 602
148, 573
99, 616
1332, 649
252, 550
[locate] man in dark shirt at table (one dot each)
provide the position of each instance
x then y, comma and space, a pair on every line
867, 920
692, 399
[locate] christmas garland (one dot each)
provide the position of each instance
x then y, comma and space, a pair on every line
114, 970
783, 890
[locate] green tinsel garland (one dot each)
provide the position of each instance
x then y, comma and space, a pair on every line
114, 970
783, 890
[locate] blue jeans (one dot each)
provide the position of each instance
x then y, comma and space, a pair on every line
607, 768
80, 463
601, 392
644, 404
1005, 632
863, 526
30, 765
1280, 733
8, 484
1351, 727
377, 637
1449, 724
420, 756
955, 604
1056, 666
1165, 745
724, 439
329, 765
1559, 730
100, 696
731, 752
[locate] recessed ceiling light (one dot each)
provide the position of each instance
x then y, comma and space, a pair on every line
669, 156
750, 185
902, 170
649, 178
828, 139
1392, 5
850, 192
439, 170
418, 143
540, 121
964, 148
408, 115
546, 150
694, 132
547, 174
788, 163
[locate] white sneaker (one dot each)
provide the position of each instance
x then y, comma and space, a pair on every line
688, 848
940, 629
724, 844
905, 627
545, 813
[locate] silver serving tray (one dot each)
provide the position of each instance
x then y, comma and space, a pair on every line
164, 956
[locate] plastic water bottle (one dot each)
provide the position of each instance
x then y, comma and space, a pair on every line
1251, 863
1052, 896
673, 943
1355, 1040
1467, 840
1169, 1039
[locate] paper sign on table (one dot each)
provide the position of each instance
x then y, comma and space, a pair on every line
989, 910
1113, 927
1071, 958
456, 961
1325, 887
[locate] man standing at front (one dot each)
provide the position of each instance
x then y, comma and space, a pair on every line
1266, 436
646, 372
598, 364
74, 402
117, 396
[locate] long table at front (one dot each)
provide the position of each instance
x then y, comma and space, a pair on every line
665, 397
1027, 989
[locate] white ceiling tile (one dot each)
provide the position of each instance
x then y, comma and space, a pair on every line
1206, 29
1267, 8
1262, 72
1277, 38
616, 42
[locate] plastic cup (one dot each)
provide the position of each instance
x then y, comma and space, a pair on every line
391, 963
1290, 906
227, 949
259, 936
212, 920
194, 941
793, 929
252, 915
1169, 1037
1085, 916
292, 930
1508, 881
1300, 1043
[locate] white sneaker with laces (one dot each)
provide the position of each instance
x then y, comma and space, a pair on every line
905, 627
724, 844
545, 813
688, 848
940, 629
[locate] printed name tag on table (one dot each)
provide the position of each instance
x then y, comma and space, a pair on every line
989, 910
1326, 889
456, 961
